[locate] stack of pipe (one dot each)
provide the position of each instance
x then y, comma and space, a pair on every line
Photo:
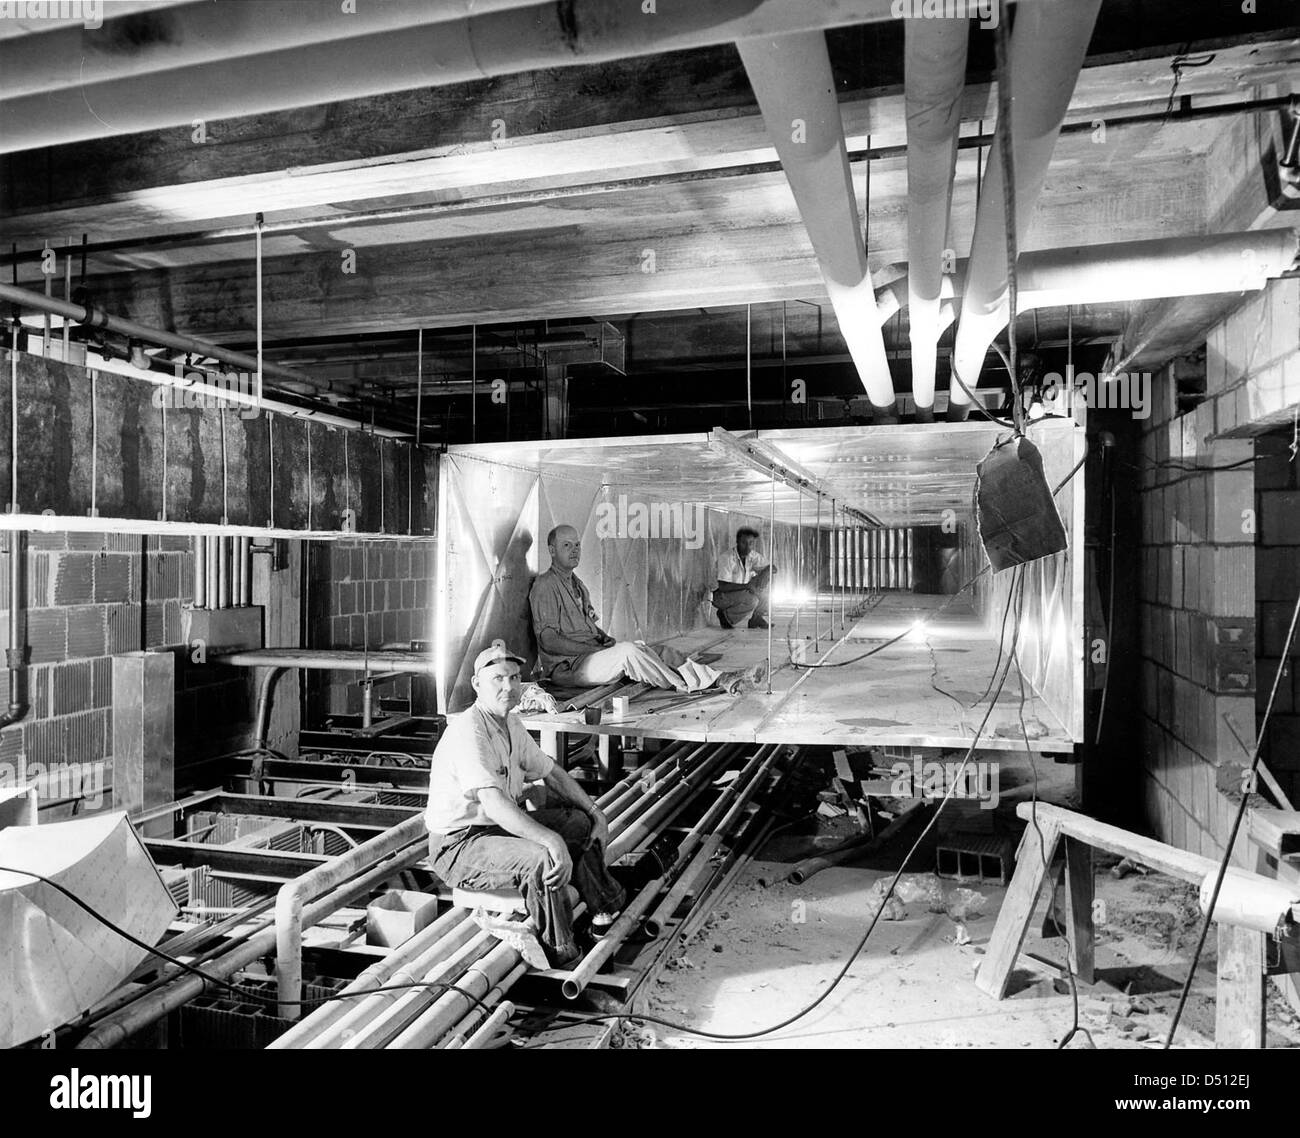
223, 572
454, 952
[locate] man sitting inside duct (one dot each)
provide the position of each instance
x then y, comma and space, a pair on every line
481, 836
571, 648
744, 583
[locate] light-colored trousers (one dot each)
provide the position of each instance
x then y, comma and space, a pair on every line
637, 662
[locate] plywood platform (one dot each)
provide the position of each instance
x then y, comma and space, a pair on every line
928, 690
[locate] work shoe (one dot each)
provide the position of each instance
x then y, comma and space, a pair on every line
601, 922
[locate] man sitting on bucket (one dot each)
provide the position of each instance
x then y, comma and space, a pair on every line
481, 837
571, 648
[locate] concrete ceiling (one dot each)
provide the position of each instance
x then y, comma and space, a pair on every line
641, 191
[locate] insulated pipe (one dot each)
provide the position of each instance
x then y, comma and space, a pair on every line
792, 80
114, 1031
381, 1017
476, 1016
16, 654
481, 46
450, 1008
236, 571
373, 977
580, 976
638, 776
247, 598
291, 901
191, 35
488, 1029
200, 546
934, 76
211, 558
717, 830
648, 824
95, 317
1048, 45
223, 572
640, 798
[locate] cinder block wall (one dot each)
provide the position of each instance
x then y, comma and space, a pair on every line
1277, 582
88, 597
359, 593
1198, 610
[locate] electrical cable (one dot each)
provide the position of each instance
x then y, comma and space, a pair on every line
1248, 788
218, 981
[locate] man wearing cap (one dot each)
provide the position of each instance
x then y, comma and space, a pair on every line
482, 838
744, 582
571, 648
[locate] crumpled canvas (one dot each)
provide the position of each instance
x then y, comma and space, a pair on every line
697, 676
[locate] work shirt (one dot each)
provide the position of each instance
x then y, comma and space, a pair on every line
476, 751
563, 606
732, 570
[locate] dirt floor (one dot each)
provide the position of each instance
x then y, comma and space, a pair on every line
770, 947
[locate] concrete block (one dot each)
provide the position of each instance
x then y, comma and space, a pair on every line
73, 578
1279, 518
1216, 367
113, 578
87, 631
1176, 554
71, 687
1231, 501
1277, 573
1232, 580
123, 628
47, 635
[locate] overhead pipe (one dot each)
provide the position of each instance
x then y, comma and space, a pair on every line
480, 46
792, 80
1048, 45
93, 316
291, 901
934, 76
16, 653
121, 1026
191, 35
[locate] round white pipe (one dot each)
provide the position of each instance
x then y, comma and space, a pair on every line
934, 71
792, 80
1048, 45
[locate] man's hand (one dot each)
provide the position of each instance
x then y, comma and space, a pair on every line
599, 830
557, 877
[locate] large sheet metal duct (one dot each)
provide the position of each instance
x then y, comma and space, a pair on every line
56, 959
792, 80
934, 72
1048, 45
504, 41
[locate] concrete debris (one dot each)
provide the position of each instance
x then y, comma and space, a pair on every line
963, 904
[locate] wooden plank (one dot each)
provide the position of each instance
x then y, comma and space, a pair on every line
1079, 896
1177, 863
1239, 1012
1032, 861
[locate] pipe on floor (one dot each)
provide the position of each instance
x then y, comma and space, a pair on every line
934, 76
121, 1026
291, 901
459, 1032
792, 80
1047, 50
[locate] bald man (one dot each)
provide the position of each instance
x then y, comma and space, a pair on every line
571, 648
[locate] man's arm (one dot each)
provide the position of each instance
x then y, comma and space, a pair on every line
553, 643
563, 784
498, 806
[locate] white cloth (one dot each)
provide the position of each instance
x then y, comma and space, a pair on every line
735, 572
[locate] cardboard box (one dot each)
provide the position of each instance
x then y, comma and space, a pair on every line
398, 915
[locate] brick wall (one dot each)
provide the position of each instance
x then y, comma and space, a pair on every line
365, 592
1200, 624
1277, 582
88, 597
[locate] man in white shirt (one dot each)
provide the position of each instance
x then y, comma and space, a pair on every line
480, 835
744, 581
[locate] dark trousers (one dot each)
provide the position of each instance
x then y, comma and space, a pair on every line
749, 603
488, 858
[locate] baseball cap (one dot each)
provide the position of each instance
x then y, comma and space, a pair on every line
493, 653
